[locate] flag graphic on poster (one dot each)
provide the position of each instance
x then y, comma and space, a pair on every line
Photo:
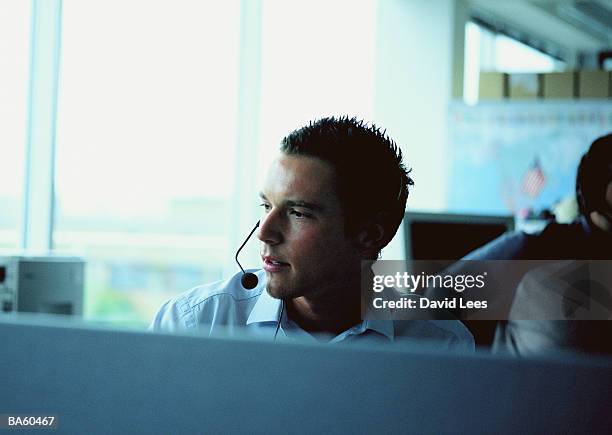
533, 180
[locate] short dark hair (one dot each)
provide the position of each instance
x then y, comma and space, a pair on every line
371, 175
594, 174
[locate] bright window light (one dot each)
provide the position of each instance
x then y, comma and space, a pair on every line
472, 61
145, 148
14, 74
514, 56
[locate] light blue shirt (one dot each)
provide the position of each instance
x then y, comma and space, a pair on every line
227, 306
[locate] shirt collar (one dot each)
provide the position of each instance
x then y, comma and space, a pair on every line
380, 322
383, 327
266, 309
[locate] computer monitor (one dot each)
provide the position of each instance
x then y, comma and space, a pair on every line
101, 381
445, 236
41, 284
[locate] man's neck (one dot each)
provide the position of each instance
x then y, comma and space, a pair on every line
332, 310
330, 316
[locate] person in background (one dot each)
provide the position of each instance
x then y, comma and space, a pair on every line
334, 196
589, 237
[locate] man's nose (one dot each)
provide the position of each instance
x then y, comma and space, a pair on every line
269, 228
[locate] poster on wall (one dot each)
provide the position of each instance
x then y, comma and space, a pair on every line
508, 157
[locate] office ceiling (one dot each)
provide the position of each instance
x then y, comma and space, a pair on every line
575, 25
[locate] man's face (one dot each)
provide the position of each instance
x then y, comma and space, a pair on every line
304, 248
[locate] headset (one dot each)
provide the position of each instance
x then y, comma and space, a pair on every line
249, 280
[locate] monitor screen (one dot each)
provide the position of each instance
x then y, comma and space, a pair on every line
437, 236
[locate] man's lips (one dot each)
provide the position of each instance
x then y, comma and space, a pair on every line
271, 264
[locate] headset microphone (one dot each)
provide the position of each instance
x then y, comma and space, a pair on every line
249, 280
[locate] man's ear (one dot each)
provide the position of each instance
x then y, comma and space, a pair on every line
372, 237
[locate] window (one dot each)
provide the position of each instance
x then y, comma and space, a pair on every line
486, 50
14, 74
145, 148
514, 56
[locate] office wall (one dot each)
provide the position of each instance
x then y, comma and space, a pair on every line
412, 91
527, 151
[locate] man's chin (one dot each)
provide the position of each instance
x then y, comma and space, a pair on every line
278, 290
275, 291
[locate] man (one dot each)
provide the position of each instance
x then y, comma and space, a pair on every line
583, 293
538, 296
335, 195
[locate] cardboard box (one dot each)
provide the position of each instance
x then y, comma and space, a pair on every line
524, 86
492, 86
593, 84
558, 85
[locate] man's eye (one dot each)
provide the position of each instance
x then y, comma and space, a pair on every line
298, 214
265, 206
